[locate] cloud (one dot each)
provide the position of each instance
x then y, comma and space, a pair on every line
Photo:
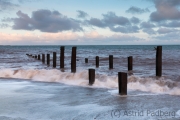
173, 24
96, 22
3, 25
166, 30
81, 14
7, 4
45, 21
115, 23
149, 31
136, 10
7, 20
53, 21
165, 10
127, 29
135, 20
147, 25
112, 19
172, 36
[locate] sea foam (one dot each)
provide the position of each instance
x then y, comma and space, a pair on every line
148, 84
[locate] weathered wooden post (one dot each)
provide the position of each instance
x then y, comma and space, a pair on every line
130, 63
39, 57
159, 61
43, 58
86, 60
73, 60
110, 61
122, 82
35, 56
91, 76
48, 59
97, 61
54, 59
62, 57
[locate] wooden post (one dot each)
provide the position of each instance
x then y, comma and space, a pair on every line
159, 61
86, 60
36, 56
73, 60
97, 61
48, 59
39, 57
122, 82
54, 59
43, 58
91, 76
130, 63
62, 57
110, 61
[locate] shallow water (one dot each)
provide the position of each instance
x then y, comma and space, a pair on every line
31, 100
15, 64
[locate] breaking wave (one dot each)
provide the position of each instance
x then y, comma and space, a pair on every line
149, 84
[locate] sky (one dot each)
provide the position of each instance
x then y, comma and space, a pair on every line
89, 22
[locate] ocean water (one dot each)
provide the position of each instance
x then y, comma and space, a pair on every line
14, 63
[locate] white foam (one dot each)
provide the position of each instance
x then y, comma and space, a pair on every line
161, 86
178, 113
115, 93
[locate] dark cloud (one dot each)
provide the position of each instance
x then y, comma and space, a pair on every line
115, 23
173, 24
23, 22
112, 19
45, 21
166, 30
167, 2
166, 10
135, 20
96, 22
7, 5
147, 25
136, 10
81, 14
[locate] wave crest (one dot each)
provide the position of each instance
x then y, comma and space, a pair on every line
148, 84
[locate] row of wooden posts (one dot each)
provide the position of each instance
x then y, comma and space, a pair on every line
122, 77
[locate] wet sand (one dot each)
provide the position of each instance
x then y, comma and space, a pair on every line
30, 100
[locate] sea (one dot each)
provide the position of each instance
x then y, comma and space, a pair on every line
33, 90
15, 64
